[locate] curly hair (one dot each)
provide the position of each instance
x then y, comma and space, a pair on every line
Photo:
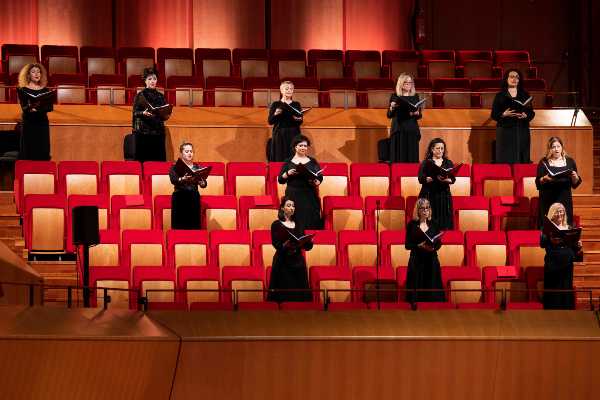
429, 152
24, 77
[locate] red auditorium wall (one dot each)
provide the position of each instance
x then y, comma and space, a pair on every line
18, 21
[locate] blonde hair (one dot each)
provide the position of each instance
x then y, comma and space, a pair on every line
285, 83
24, 77
551, 141
552, 212
422, 202
403, 77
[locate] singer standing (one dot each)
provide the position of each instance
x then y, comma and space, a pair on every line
286, 117
513, 138
404, 133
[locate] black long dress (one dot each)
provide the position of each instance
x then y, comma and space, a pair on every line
185, 203
513, 138
304, 194
288, 269
438, 194
424, 270
558, 274
149, 131
404, 133
35, 136
556, 191
285, 128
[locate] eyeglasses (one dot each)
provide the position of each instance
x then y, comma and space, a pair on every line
425, 208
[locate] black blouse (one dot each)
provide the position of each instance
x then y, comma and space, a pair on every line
423, 170
559, 183
182, 186
281, 234
412, 235
402, 110
504, 101
285, 119
28, 102
140, 122
299, 181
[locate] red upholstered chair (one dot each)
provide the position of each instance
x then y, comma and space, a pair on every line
396, 62
215, 180
161, 215
223, 91
375, 92
130, 212
537, 90
120, 178
454, 93
343, 213
439, 63
213, 62
524, 177
70, 88
133, 60
250, 62
60, 59
175, 61
324, 268
306, 91
452, 252
218, 212
4, 91
246, 178
135, 84
510, 213
257, 212
287, 64
261, 91
189, 256
394, 254
474, 63
370, 179
462, 185
519, 59
326, 63
15, 56
44, 222
78, 177
484, 91
363, 64
335, 180
76, 200
464, 285
156, 179
262, 250
471, 213
143, 254
524, 249
492, 180
95, 60
108, 89
185, 90
392, 213
405, 180
33, 177
273, 187
337, 92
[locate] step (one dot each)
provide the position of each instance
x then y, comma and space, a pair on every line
61, 273
590, 244
7, 198
589, 200
11, 231
9, 219
591, 255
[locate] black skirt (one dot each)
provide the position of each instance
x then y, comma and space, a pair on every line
185, 209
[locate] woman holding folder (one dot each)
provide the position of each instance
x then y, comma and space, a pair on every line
558, 261
303, 175
512, 111
149, 107
286, 116
436, 176
423, 241
185, 201
36, 102
288, 271
405, 111
555, 178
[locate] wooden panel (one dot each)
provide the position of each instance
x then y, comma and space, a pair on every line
101, 66
81, 184
249, 185
500, 187
399, 255
166, 220
62, 65
466, 296
267, 253
473, 220
111, 95
516, 291
228, 97
189, 96
48, 229
490, 255
333, 186
123, 184
339, 291
378, 98
177, 67
72, 94
307, 97
393, 220
321, 254
254, 68
531, 256
135, 66
374, 186
451, 255
529, 188
215, 185
146, 255
38, 184
261, 218
462, 186
216, 68
104, 255
255, 290
130, 218
218, 219
409, 186
208, 291
118, 298
362, 255
190, 254
342, 98
292, 69
165, 291
234, 255
347, 220
161, 184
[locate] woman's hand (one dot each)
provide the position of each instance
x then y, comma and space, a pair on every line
555, 240
414, 113
292, 172
392, 105
146, 113
574, 177
522, 115
546, 178
316, 182
426, 246
429, 179
510, 113
444, 180
278, 111
297, 118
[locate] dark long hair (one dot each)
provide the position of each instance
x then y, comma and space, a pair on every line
505, 79
281, 214
299, 139
429, 152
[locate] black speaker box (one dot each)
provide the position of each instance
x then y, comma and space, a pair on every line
85, 225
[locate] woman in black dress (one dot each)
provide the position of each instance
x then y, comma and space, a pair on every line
436, 188
302, 185
512, 130
558, 264
424, 270
35, 136
286, 117
185, 201
149, 127
556, 189
288, 269
405, 133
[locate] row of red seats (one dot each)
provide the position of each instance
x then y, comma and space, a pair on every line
244, 63
259, 179
233, 260
252, 91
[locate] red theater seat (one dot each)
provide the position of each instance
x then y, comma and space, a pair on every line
405, 180
44, 223
287, 64
518, 59
33, 177
363, 64
218, 212
343, 213
133, 60
452, 252
121, 178
396, 62
257, 212
250, 62
375, 92
175, 62
213, 62
108, 89
439, 63
370, 179
185, 90
326, 63
70, 88
246, 178
161, 213
537, 90
306, 91
78, 177
130, 212
156, 179
261, 91
492, 180
484, 91
97, 60
510, 213
392, 213
60, 59
474, 63
223, 91
15, 56
455, 93
337, 93
524, 249
76, 200
471, 213
524, 177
